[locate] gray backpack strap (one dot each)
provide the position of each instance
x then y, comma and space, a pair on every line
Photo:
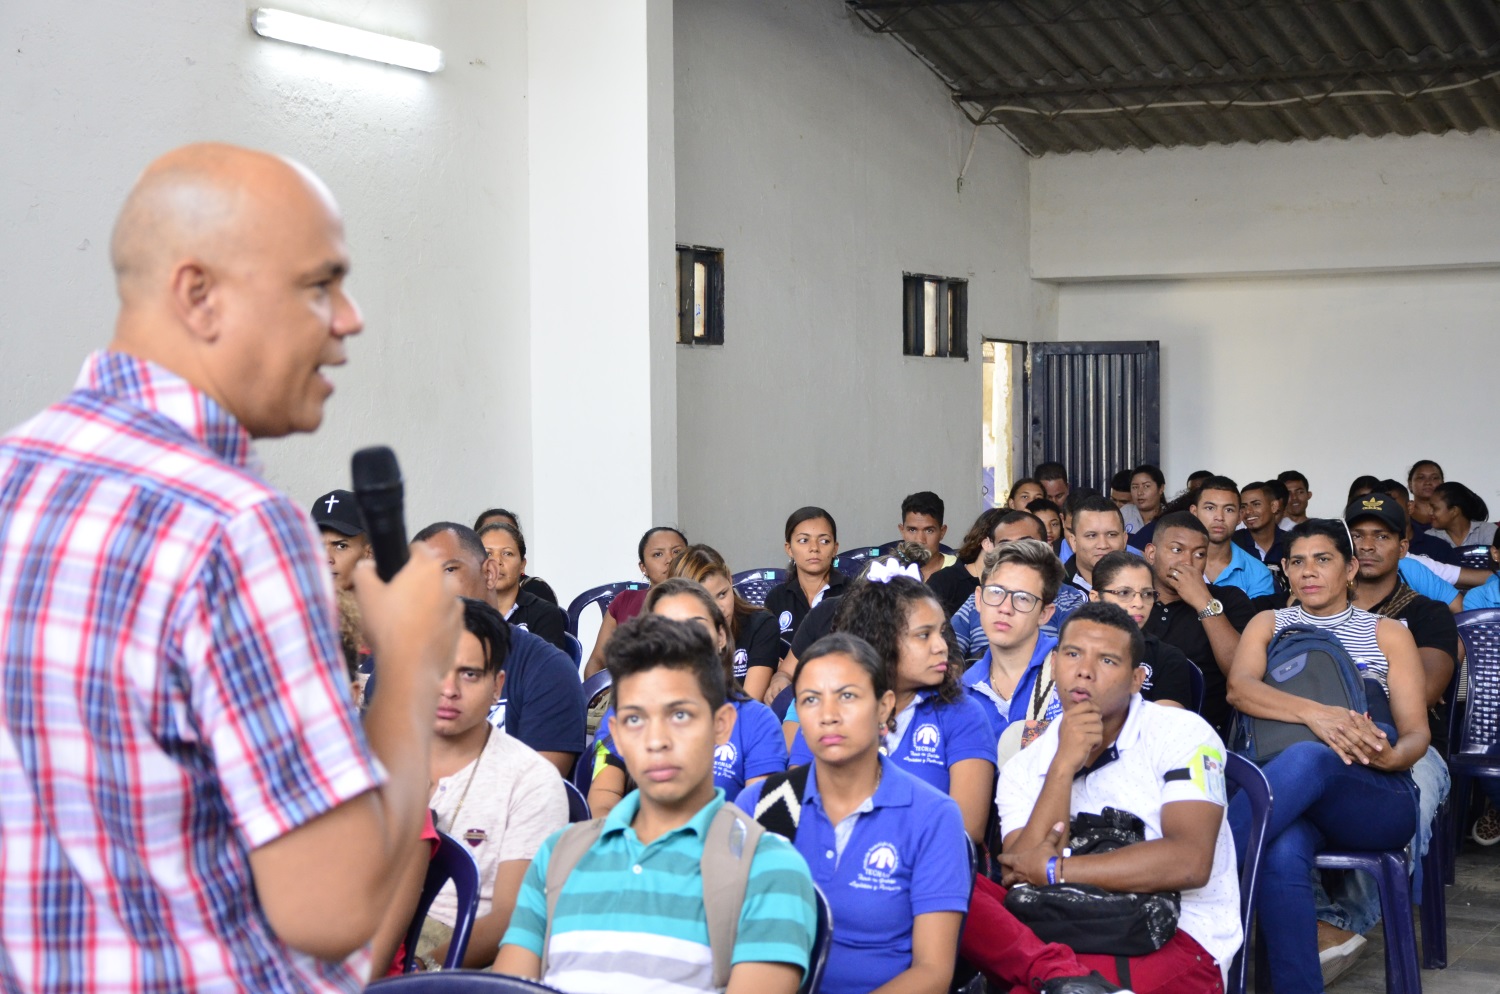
728, 851
566, 853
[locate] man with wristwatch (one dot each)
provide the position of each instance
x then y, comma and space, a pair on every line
1202, 619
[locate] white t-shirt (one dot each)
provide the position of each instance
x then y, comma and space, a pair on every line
1446, 572
1164, 755
514, 801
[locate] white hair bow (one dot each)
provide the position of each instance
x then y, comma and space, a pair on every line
881, 571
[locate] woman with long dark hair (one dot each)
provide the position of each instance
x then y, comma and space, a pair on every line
1460, 517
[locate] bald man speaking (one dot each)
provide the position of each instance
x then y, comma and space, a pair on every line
187, 799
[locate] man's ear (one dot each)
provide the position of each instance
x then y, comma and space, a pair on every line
724, 719
191, 289
942, 533
1137, 678
491, 570
499, 686
1048, 610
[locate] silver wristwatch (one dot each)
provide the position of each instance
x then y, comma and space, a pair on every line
1212, 609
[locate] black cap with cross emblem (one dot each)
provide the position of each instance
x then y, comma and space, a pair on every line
336, 510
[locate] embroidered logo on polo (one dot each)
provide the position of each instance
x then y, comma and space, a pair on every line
1146, 684
724, 760
785, 621
879, 869
741, 662
926, 743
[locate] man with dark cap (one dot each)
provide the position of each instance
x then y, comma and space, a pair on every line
344, 540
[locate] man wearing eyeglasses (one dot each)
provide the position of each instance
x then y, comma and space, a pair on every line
1016, 592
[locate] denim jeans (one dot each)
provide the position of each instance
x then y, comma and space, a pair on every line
1321, 803
1352, 900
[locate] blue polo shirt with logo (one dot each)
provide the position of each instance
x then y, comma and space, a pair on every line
904, 856
1000, 714
1247, 573
756, 747
937, 736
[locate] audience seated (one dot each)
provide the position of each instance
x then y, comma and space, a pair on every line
1424, 477
1488, 593
1428, 574
1023, 492
1297, 496
1126, 581
1195, 478
655, 552
940, 734
885, 847
1119, 492
1204, 620
754, 749
1351, 787
1262, 510
1459, 516
492, 792
812, 544
506, 548
1112, 749
531, 584
752, 631
543, 705
1148, 487
1097, 529
1053, 479
1216, 503
345, 543
1051, 517
922, 523
968, 627
954, 584
633, 895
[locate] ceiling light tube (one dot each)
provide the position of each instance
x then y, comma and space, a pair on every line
286, 26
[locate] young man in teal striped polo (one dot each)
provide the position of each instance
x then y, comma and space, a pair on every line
632, 907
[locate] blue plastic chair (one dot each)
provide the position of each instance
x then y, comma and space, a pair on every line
459, 982
753, 585
594, 686
1474, 731
851, 562
575, 648
601, 596
1392, 872
452, 861
1243, 775
1195, 677
1474, 557
578, 805
583, 769
782, 703
822, 938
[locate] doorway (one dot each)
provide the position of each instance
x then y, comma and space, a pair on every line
1004, 365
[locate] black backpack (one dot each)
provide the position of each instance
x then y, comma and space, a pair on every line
1308, 662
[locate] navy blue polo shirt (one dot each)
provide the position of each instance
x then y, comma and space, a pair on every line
937, 736
543, 704
906, 856
977, 684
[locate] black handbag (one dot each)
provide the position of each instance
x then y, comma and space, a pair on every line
1091, 920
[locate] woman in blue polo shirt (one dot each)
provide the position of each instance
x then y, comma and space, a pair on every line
938, 734
755, 748
886, 849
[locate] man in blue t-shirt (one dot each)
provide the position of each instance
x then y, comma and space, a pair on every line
1217, 505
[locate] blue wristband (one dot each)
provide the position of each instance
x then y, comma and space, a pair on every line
1052, 869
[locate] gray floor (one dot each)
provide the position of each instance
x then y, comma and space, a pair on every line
1473, 936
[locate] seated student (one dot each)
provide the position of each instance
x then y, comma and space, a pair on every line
968, 627
1297, 496
1023, 492
1113, 749
632, 908
755, 748
752, 631
1126, 581
922, 522
1119, 492
1051, 517
531, 584
953, 584
1431, 577
656, 550
506, 548
1459, 516
1013, 681
812, 544
1098, 528
1196, 477
1377, 525
544, 705
1351, 790
1216, 503
345, 543
940, 734
1262, 509
1424, 477
886, 848
491, 791
1149, 489
1204, 620
1053, 478
1360, 486
1488, 593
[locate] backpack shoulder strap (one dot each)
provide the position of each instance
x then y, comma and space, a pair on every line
728, 851
566, 853
779, 807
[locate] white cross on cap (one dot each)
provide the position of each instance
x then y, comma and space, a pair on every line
332, 500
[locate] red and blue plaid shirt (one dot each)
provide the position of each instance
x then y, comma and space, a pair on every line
174, 695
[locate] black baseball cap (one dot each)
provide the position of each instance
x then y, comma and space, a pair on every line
337, 510
1381, 507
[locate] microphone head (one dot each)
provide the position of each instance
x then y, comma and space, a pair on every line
375, 468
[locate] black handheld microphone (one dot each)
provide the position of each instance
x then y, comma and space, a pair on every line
379, 494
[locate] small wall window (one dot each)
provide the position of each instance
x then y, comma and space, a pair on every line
700, 295
936, 317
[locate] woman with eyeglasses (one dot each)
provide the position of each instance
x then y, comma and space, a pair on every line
1125, 579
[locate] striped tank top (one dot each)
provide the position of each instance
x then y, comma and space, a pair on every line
1355, 630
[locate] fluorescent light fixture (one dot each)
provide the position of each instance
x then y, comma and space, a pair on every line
286, 26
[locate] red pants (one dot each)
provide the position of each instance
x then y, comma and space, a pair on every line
1008, 952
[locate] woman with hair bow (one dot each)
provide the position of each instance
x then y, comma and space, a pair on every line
936, 732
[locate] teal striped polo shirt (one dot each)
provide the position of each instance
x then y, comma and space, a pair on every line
636, 911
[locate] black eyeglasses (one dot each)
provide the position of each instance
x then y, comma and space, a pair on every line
1126, 594
1021, 600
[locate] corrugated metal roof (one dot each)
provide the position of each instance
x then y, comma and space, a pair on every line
1081, 75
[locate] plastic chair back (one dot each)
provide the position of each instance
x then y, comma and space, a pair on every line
459, 982
601, 596
753, 585
1244, 775
783, 703
575, 648
822, 938
1195, 677
1474, 557
851, 562
451, 862
578, 805
1476, 742
594, 686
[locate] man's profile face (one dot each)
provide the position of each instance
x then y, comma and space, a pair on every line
1219, 510
464, 575
666, 732
1093, 662
344, 553
1095, 535
1056, 491
1377, 547
923, 529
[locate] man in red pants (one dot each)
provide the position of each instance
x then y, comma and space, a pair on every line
1112, 749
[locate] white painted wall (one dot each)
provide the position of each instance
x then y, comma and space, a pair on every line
823, 160
430, 170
